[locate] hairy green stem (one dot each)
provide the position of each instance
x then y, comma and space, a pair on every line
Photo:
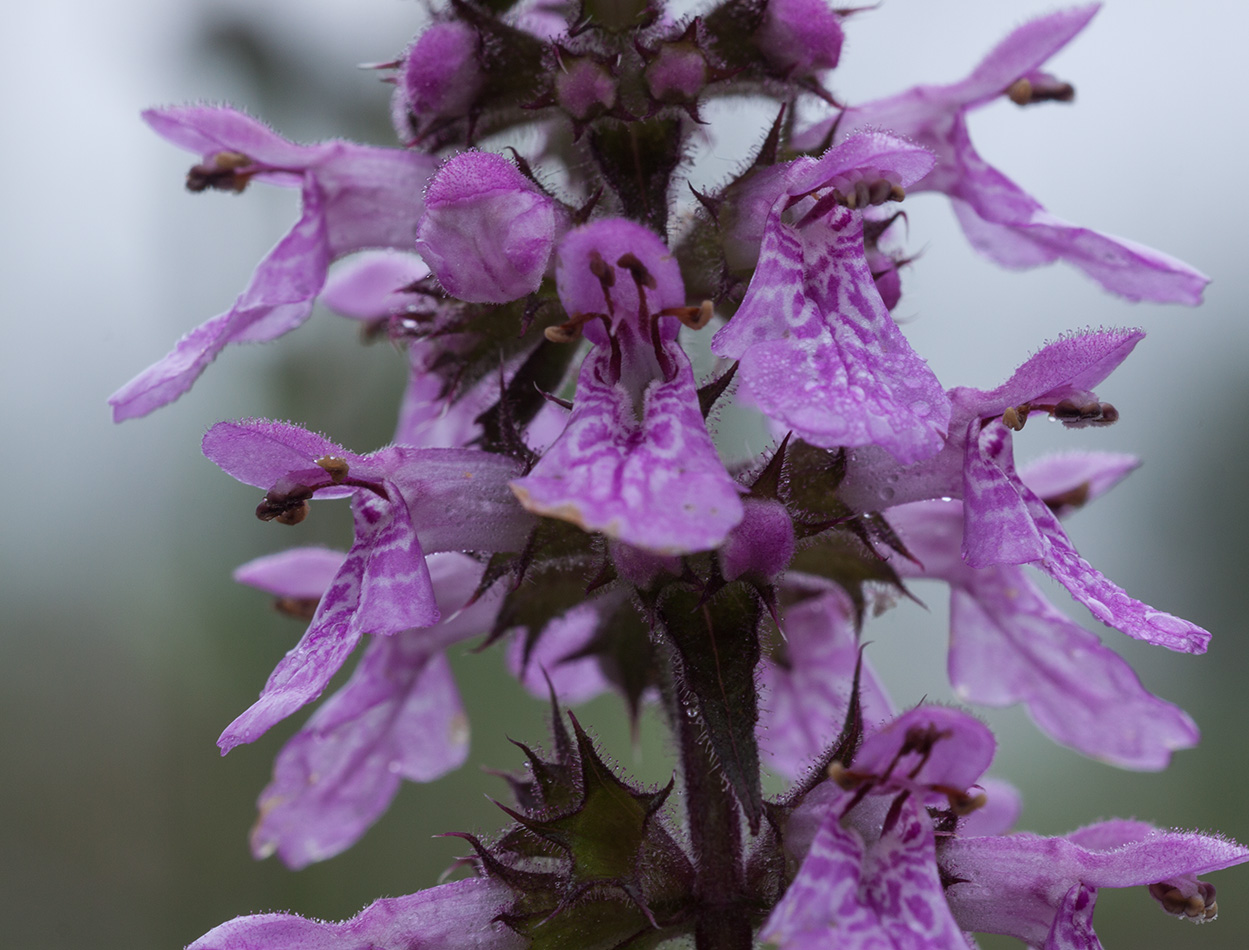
723, 921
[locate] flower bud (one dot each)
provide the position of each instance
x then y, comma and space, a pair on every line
487, 231
584, 88
762, 543
440, 76
800, 36
677, 73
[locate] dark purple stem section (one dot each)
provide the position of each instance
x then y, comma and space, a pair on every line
723, 921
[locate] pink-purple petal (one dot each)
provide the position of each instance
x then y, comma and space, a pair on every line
635, 460
866, 152
341, 618
396, 592
1088, 475
1068, 367
399, 716
456, 916
904, 888
368, 285
487, 232
1018, 884
883, 895
278, 299
300, 573
353, 197
553, 660
820, 353
1008, 644
1021, 52
1108, 602
655, 482
207, 130
1002, 808
1000, 219
260, 452
998, 527
963, 749
805, 693
459, 499
823, 902
1073, 923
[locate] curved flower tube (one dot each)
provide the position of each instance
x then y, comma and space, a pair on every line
457, 497
1001, 220
354, 197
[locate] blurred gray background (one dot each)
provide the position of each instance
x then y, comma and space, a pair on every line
125, 647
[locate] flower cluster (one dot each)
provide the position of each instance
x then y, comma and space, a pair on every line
555, 486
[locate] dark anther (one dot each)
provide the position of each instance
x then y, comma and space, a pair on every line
1040, 88
843, 778
222, 172
921, 739
285, 507
599, 268
1068, 500
963, 803
641, 276
880, 191
569, 331
300, 608
693, 317
865, 193
335, 467
1076, 416
1199, 907
1015, 416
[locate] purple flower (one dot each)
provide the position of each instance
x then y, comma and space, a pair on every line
456, 916
869, 876
1043, 890
635, 460
554, 661
377, 286
1008, 644
1000, 219
806, 679
354, 197
488, 231
398, 717
1004, 521
818, 349
863, 893
457, 497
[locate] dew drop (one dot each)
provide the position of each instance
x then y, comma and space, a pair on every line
1167, 623
1099, 610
